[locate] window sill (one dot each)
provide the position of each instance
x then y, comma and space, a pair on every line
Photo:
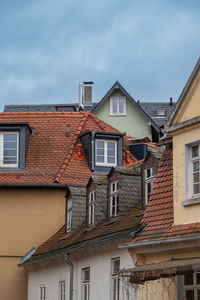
118, 115
191, 201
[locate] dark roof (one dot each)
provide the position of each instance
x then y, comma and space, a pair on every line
61, 240
151, 108
47, 107
118, 86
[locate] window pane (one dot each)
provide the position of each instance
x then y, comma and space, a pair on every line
111, 152
100, 152
10, 145
111, 145
189, 295
148, 171
116, 265
111, 160
100, 144
100, 159
196, 188
198, 277
114, 106
196, 177
195, 151
10, 153
188, 279
87, 275
198, 294
196, 166
10, 137
121, 106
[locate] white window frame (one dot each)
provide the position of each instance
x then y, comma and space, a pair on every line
188, 170
85, 284
42, 292
114, 194
62, 290
191, 287
105, 163
118, 98
115, 280
148, 180
91, 208
69, 214
2, 165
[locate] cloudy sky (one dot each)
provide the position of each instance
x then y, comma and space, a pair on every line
48, 46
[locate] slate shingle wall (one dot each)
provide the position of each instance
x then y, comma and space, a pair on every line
78, 207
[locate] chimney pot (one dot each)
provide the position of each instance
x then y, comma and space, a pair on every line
170, 101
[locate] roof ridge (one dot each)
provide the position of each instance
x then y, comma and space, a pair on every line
71, 149
42, 112
100, 122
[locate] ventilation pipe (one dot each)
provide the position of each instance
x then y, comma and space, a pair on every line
81, 95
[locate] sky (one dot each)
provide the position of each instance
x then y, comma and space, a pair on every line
48, 46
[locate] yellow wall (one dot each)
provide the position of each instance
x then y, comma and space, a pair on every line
28, 217
191, 104
162, 289
188, 214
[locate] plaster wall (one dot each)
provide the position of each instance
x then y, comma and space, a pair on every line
100, 277
133, 123
181, 180
28, 216
191, 107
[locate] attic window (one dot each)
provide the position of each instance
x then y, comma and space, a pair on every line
106, 153
114, 199
117, 106
91, 204
160, 112
9, 149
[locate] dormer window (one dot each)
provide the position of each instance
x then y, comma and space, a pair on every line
160, 112
91, 205
117, 106
9, 149
150, 174
114, 199
69, 214
106, 153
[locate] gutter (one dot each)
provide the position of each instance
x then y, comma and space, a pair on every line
22, 184
160, 242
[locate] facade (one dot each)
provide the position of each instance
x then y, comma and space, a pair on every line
167, 249
85, 255
42, 154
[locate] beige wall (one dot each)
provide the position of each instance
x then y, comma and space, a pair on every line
191, 104
162, 289
181, 178
28, 217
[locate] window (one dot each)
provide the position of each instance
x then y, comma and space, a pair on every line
191, 286
115, 267
106, 153
42, 292
160, 112
114, 199
195, 161
86, 284
91, 203
62, 290
149, 175
9, 148
117, 106
69, 214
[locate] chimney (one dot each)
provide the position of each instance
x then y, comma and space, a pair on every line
88, 92
170, 101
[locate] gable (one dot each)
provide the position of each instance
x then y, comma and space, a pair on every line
188, 106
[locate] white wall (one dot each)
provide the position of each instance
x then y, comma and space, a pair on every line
100, 277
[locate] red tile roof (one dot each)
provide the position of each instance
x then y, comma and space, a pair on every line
51, 153
62, 240
158, 217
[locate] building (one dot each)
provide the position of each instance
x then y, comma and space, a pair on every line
42, 156
166, 252
117, 108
